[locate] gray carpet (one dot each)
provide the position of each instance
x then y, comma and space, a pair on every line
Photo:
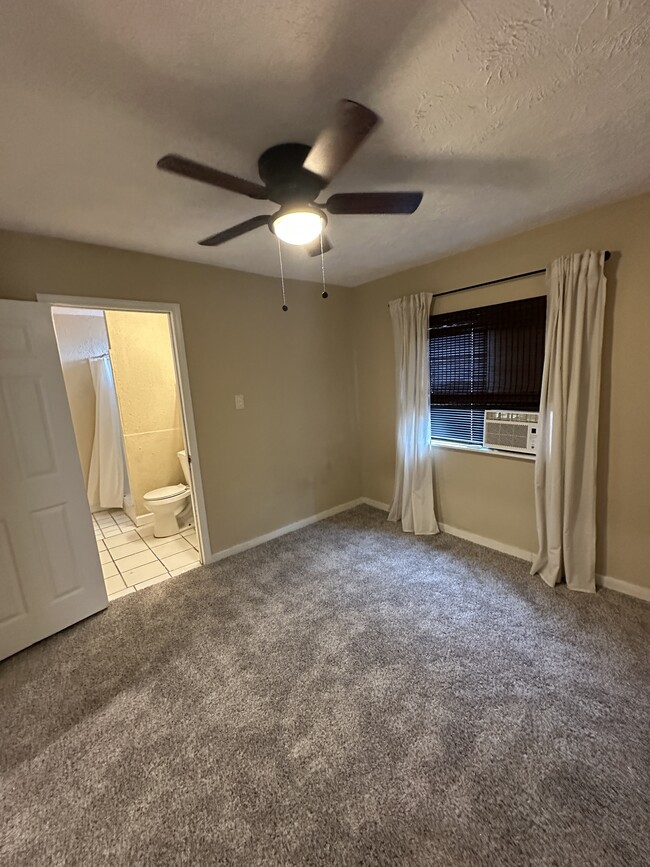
344, 695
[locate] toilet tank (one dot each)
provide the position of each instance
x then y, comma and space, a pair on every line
182, 457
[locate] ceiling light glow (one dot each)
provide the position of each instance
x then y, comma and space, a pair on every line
299, 227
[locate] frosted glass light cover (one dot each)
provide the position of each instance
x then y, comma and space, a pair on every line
298, 227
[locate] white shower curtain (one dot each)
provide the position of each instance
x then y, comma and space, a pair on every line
106, 478
413, 490
565, 467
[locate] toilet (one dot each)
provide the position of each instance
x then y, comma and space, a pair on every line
166, 504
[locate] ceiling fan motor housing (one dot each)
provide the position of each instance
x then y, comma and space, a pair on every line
282, 172
294, 175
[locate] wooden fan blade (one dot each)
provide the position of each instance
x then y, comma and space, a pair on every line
340, 140
235, 231
373, 203
313, 248
198, 172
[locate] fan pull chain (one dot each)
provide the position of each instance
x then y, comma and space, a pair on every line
324, 293
284, 297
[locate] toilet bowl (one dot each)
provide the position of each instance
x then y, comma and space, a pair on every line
165, 504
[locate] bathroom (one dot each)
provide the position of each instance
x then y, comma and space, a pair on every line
120, 374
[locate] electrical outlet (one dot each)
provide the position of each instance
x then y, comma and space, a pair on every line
239, 401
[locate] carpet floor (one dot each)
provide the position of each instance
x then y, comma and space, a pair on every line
344, 695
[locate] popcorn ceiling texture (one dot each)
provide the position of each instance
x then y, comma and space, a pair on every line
507, 114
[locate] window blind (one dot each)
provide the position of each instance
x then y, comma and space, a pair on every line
488, 357
457, 425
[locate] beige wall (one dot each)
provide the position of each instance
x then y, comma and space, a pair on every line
147, 394
318, 428
80, 336
493, 496
293, 451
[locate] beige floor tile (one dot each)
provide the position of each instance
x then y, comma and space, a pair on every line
122, 539
151, 581
125, 564
144, 573
184, 558
105, 557
155, 543
175, 546
182, 569
114, 584
109, 569
128, 549
119, 593
188, 530
100, 545
146, 531
193, 539
114, 532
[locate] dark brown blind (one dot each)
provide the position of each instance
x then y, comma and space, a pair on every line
488, 357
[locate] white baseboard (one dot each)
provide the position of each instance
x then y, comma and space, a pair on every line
605, 581
143, 520
635, 590
282, 531
375, 504
521, 553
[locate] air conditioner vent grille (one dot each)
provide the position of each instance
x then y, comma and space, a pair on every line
507, 433
511, 431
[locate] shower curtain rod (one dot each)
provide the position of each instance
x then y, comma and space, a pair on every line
500, 280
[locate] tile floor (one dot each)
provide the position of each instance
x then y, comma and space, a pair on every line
133, 559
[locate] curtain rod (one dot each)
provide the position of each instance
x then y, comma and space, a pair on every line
500, 280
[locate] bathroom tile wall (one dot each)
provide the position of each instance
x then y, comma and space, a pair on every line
147, 393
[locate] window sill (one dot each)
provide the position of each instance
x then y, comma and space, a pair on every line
446, 444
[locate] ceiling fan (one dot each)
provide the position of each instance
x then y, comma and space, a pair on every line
294, 175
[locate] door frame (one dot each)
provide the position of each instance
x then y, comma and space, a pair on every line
180, 363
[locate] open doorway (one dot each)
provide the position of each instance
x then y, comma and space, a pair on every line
129, 411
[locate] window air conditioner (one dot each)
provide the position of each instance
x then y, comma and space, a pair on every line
510, 431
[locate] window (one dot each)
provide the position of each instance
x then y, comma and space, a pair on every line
484, 358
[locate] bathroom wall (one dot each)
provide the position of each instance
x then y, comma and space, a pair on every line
147, 394
80, 334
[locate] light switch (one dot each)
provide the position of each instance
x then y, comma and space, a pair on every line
239, 401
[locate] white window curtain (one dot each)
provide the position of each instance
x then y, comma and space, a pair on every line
106, 477
565, 469
413, 490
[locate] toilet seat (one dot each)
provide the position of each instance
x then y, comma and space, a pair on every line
168, 493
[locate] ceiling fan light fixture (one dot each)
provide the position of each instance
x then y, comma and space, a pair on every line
298, 225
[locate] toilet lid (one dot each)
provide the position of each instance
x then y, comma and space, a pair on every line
166, 493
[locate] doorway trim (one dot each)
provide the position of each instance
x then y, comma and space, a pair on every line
180, 363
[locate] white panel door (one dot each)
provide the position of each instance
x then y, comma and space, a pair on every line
50, 574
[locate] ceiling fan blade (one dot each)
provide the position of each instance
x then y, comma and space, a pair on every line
340, 140
373, 203
198, 172
235, 231
313, 248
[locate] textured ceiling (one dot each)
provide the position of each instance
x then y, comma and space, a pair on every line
506, 113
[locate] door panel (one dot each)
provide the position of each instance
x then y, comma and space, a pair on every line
12, 604
50, 574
